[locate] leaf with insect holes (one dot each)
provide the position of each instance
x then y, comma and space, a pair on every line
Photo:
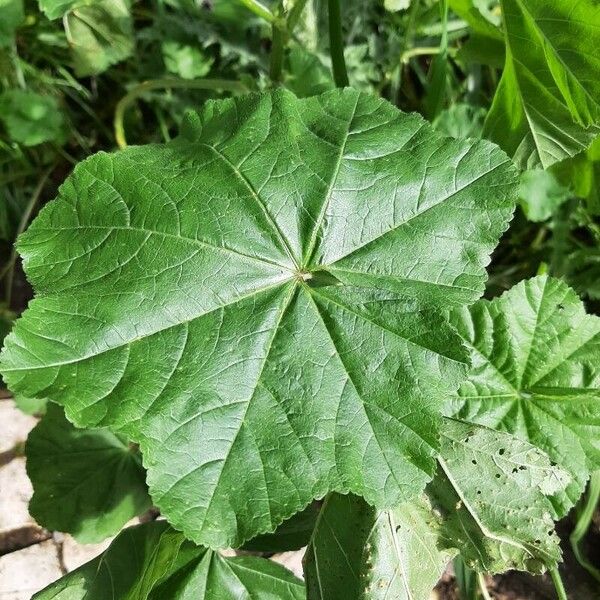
536, 374
493, 492
257, 303
547, 104
85, 482
359, 552
154, 562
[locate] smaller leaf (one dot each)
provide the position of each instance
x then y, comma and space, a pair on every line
582, 175
306, 75
536, 373
185, 60
357, 552
492, 492
540, 194
31, 118
86, 482
100, 35
461, 121
155, 562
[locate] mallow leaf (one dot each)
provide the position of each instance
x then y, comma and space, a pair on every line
154, 562
30, 118
547, 106
540, 194
492, 494
536, 374
255, 303
100, 34
85, 482
358, 552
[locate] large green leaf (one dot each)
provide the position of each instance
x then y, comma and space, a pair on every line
358, 552
536, 374
100, 34
154, 562
493, 491
85, 482
547, 105
255, 302
30, 118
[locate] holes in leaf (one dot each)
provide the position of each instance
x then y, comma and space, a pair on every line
501, 451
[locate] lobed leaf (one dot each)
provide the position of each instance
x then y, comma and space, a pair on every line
154, 562
536, 374
257, 302
492, 491
359, 552
30, 118
85, 482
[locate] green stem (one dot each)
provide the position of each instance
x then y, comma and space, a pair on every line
483, 586
583, 523
17, 66
157, 84
9, 270
260, 10
279, 40
558, 584
336, 44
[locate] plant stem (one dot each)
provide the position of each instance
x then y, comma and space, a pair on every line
155, 84
9, 270
336, 44
483, 586
279, 41
584, 520
260, 10
558, 583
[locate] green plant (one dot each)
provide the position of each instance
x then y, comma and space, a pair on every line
282, 302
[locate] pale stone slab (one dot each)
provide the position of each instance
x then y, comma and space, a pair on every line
14, 425
75, 554
27, 571
15, 493
291, 561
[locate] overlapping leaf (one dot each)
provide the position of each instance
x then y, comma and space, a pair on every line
547, 106
359, 552
85, 482
255, 303
154, 562
536, 374
493, 491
